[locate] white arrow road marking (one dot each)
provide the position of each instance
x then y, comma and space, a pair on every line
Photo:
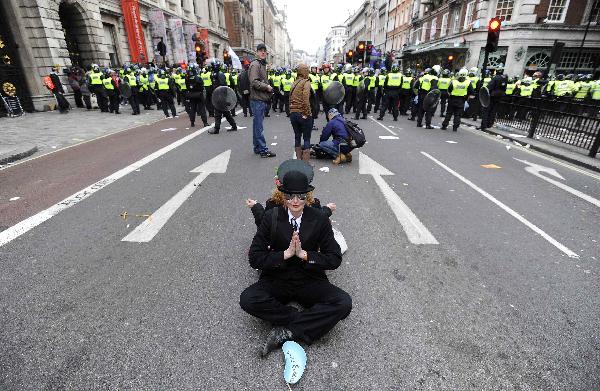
415, 230
537, 169
20, 228
151, 226
168, 129
383, 126
451, 142
389, 137
508, 210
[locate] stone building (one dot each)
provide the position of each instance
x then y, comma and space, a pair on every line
39, 33
442, 28
240, 27
263, 13
334, 44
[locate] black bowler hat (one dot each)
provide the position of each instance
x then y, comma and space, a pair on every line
295, 165
295, 182
261, 46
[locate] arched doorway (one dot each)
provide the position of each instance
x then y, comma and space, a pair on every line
76, 33
12, 81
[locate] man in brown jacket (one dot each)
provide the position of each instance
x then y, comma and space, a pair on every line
301, 112
260, 98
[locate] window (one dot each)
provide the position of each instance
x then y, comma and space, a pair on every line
433, 27
456, 21
109, 39
424, 32
504, 9
444, 28
595, 13
469, 15
557, 11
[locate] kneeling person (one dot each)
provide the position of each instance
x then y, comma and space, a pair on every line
293, 247
336, 129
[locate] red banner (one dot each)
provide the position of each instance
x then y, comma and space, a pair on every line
202, 36
133, 27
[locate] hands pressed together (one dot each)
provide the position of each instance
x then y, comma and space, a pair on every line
295, 248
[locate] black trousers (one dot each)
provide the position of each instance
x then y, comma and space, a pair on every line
361, 105
286, 103
390, 101
197, 106
78, 98
113, 101
209, 106
370, 99
488, 114
443, 100
87, 99
219, 115
325, 305
134, 101
166, 102
405, 97
246, 104
146, 99
423, 113
101, 97
349, 98
456, 106
378, 97
275, 98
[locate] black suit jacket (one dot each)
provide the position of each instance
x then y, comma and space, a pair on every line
316, 236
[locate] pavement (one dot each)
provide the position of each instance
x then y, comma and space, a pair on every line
35, 134
504, 298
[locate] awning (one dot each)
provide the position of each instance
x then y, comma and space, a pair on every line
415, 50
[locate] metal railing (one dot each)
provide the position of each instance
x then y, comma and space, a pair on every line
564, 120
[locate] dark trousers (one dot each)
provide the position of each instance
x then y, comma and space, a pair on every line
488, 114
87, 99
325, 305
390, 100
209, 106
78, 98
283, 97
275, 98
61, 102
361, 105
219, 115
113, 99
246, 104
101, 97
455, 108
302, 129
146, 99
474, 107
378, 97
443, 102
405, 97
286, 103
349, 98
370, 99
422, 112
134, 101
197, 106
166, 102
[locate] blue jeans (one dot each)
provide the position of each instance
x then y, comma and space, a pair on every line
330, 147
258, 108
302, 129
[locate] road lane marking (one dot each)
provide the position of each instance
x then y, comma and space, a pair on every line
29, 223
389, 137
504, 207
146, 231
383, 126
451, 142
500, 139
537, 169
416, 232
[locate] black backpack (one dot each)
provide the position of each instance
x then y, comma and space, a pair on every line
356, 136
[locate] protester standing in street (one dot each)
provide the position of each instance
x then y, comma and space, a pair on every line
260, 97
244, 90
196, 105
497, 90
57, 89
301, 113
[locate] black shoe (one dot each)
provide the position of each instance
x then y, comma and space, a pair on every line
428, 127
213, 131
419, 125
233, 129
205, 124
379, 118
245, 115
276, 337
192, 125
267, 115
268, 154
443, 128
411, 118
455, 129
396, 119
363, 117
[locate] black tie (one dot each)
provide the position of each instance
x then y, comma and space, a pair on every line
294, 224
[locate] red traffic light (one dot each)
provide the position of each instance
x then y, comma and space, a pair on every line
494, 24
361, 46
350, 53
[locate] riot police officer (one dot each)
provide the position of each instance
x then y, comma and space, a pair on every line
391, 97
459, 91
497, 90
443, 84
426, 83
196, 96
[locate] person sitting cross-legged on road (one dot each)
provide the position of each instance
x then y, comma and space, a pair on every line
293, 247
336, 129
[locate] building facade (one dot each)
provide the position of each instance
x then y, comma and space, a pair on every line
41, 33
529, 29
240, 27
333, 51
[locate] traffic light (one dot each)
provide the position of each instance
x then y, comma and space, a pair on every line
226, 57
361, 47
450, 62
369, 51
349, 56
493, 35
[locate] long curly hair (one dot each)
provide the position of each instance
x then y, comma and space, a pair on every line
279, 199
